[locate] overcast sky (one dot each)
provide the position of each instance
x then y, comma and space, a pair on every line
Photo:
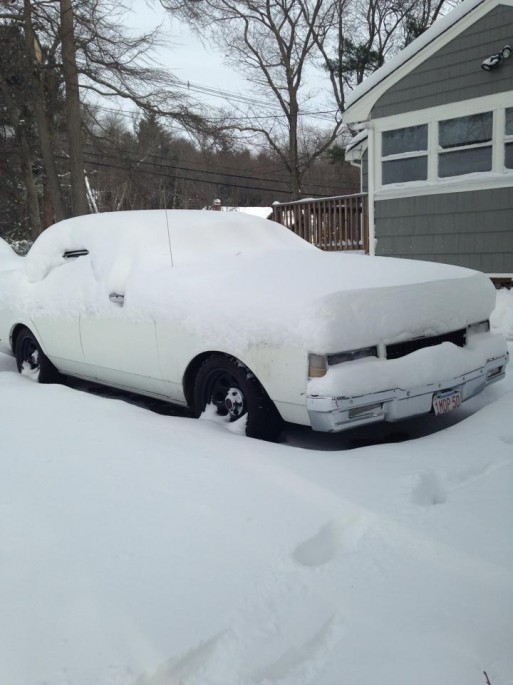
203, 67
186, 57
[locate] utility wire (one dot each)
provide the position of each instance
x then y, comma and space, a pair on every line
167, 165
279, 114
229, 95
184, 178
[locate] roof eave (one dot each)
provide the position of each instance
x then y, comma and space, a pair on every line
360, 110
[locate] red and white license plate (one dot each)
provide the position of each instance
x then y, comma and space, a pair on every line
446, 401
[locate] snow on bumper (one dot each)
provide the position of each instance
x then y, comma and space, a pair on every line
358, 393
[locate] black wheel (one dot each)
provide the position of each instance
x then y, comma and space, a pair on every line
235, 392
32, 361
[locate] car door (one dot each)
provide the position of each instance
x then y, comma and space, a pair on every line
56, 302
119, 344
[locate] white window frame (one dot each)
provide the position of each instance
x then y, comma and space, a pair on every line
403, 155
508, 138
469, 146
498, 177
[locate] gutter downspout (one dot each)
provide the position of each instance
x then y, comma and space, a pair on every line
371, 156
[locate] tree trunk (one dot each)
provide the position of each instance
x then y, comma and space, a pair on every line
35, 225
73, 114
25, 162
295, 167
38, 103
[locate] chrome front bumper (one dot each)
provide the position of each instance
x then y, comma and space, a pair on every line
334, 414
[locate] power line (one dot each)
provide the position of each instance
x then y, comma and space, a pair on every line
182, 168
184, 178
322, 114
167, 165
229, 95
131, 115
123, 112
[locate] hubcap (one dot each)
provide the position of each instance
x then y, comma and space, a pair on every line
34, 359
221, 389
30, 359
234, 402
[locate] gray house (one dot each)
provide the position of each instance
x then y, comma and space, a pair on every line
436, 147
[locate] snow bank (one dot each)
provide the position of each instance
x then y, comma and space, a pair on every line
262, 212
140, 549
8, 258
501, 320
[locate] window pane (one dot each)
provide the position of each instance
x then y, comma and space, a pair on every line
465, 161
509, 122
465, 130
411, 139
402, 170
508, 160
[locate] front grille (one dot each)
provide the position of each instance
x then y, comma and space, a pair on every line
401, 349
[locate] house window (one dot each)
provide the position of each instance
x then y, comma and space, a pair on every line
404, 154
508, 138
465, 145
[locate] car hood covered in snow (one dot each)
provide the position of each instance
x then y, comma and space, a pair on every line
325, 301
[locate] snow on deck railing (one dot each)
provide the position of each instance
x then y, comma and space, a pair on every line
331, 223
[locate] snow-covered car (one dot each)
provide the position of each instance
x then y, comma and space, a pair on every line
239, 317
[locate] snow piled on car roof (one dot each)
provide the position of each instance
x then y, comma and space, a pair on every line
180, 236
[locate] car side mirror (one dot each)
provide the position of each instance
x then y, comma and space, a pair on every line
117, 298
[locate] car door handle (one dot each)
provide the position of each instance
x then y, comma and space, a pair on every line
117, 298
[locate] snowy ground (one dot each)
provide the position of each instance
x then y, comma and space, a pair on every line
143, 549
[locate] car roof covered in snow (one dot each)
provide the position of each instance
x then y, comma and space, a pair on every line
183, 236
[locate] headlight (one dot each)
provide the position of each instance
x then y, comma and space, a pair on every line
481, 327
317, 365
352, 355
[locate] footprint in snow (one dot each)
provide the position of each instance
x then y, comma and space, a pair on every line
329, 542
304, 656
429, 490
180, 669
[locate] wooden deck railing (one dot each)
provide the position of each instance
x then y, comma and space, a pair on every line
332, 223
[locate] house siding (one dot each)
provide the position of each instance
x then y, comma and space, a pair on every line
467, 229
454, 73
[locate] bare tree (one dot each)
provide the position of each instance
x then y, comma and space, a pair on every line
11, 91
76, 48
274, 42
79, 204
374, 31
37, 102
278, 43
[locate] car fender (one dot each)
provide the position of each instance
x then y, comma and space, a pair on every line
26, 322
281, 371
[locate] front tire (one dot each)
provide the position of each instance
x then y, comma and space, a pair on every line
235, 392
31, 361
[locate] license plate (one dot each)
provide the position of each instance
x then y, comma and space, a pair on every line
446, 401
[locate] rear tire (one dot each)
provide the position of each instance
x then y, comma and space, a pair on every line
235, 392
31, 361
